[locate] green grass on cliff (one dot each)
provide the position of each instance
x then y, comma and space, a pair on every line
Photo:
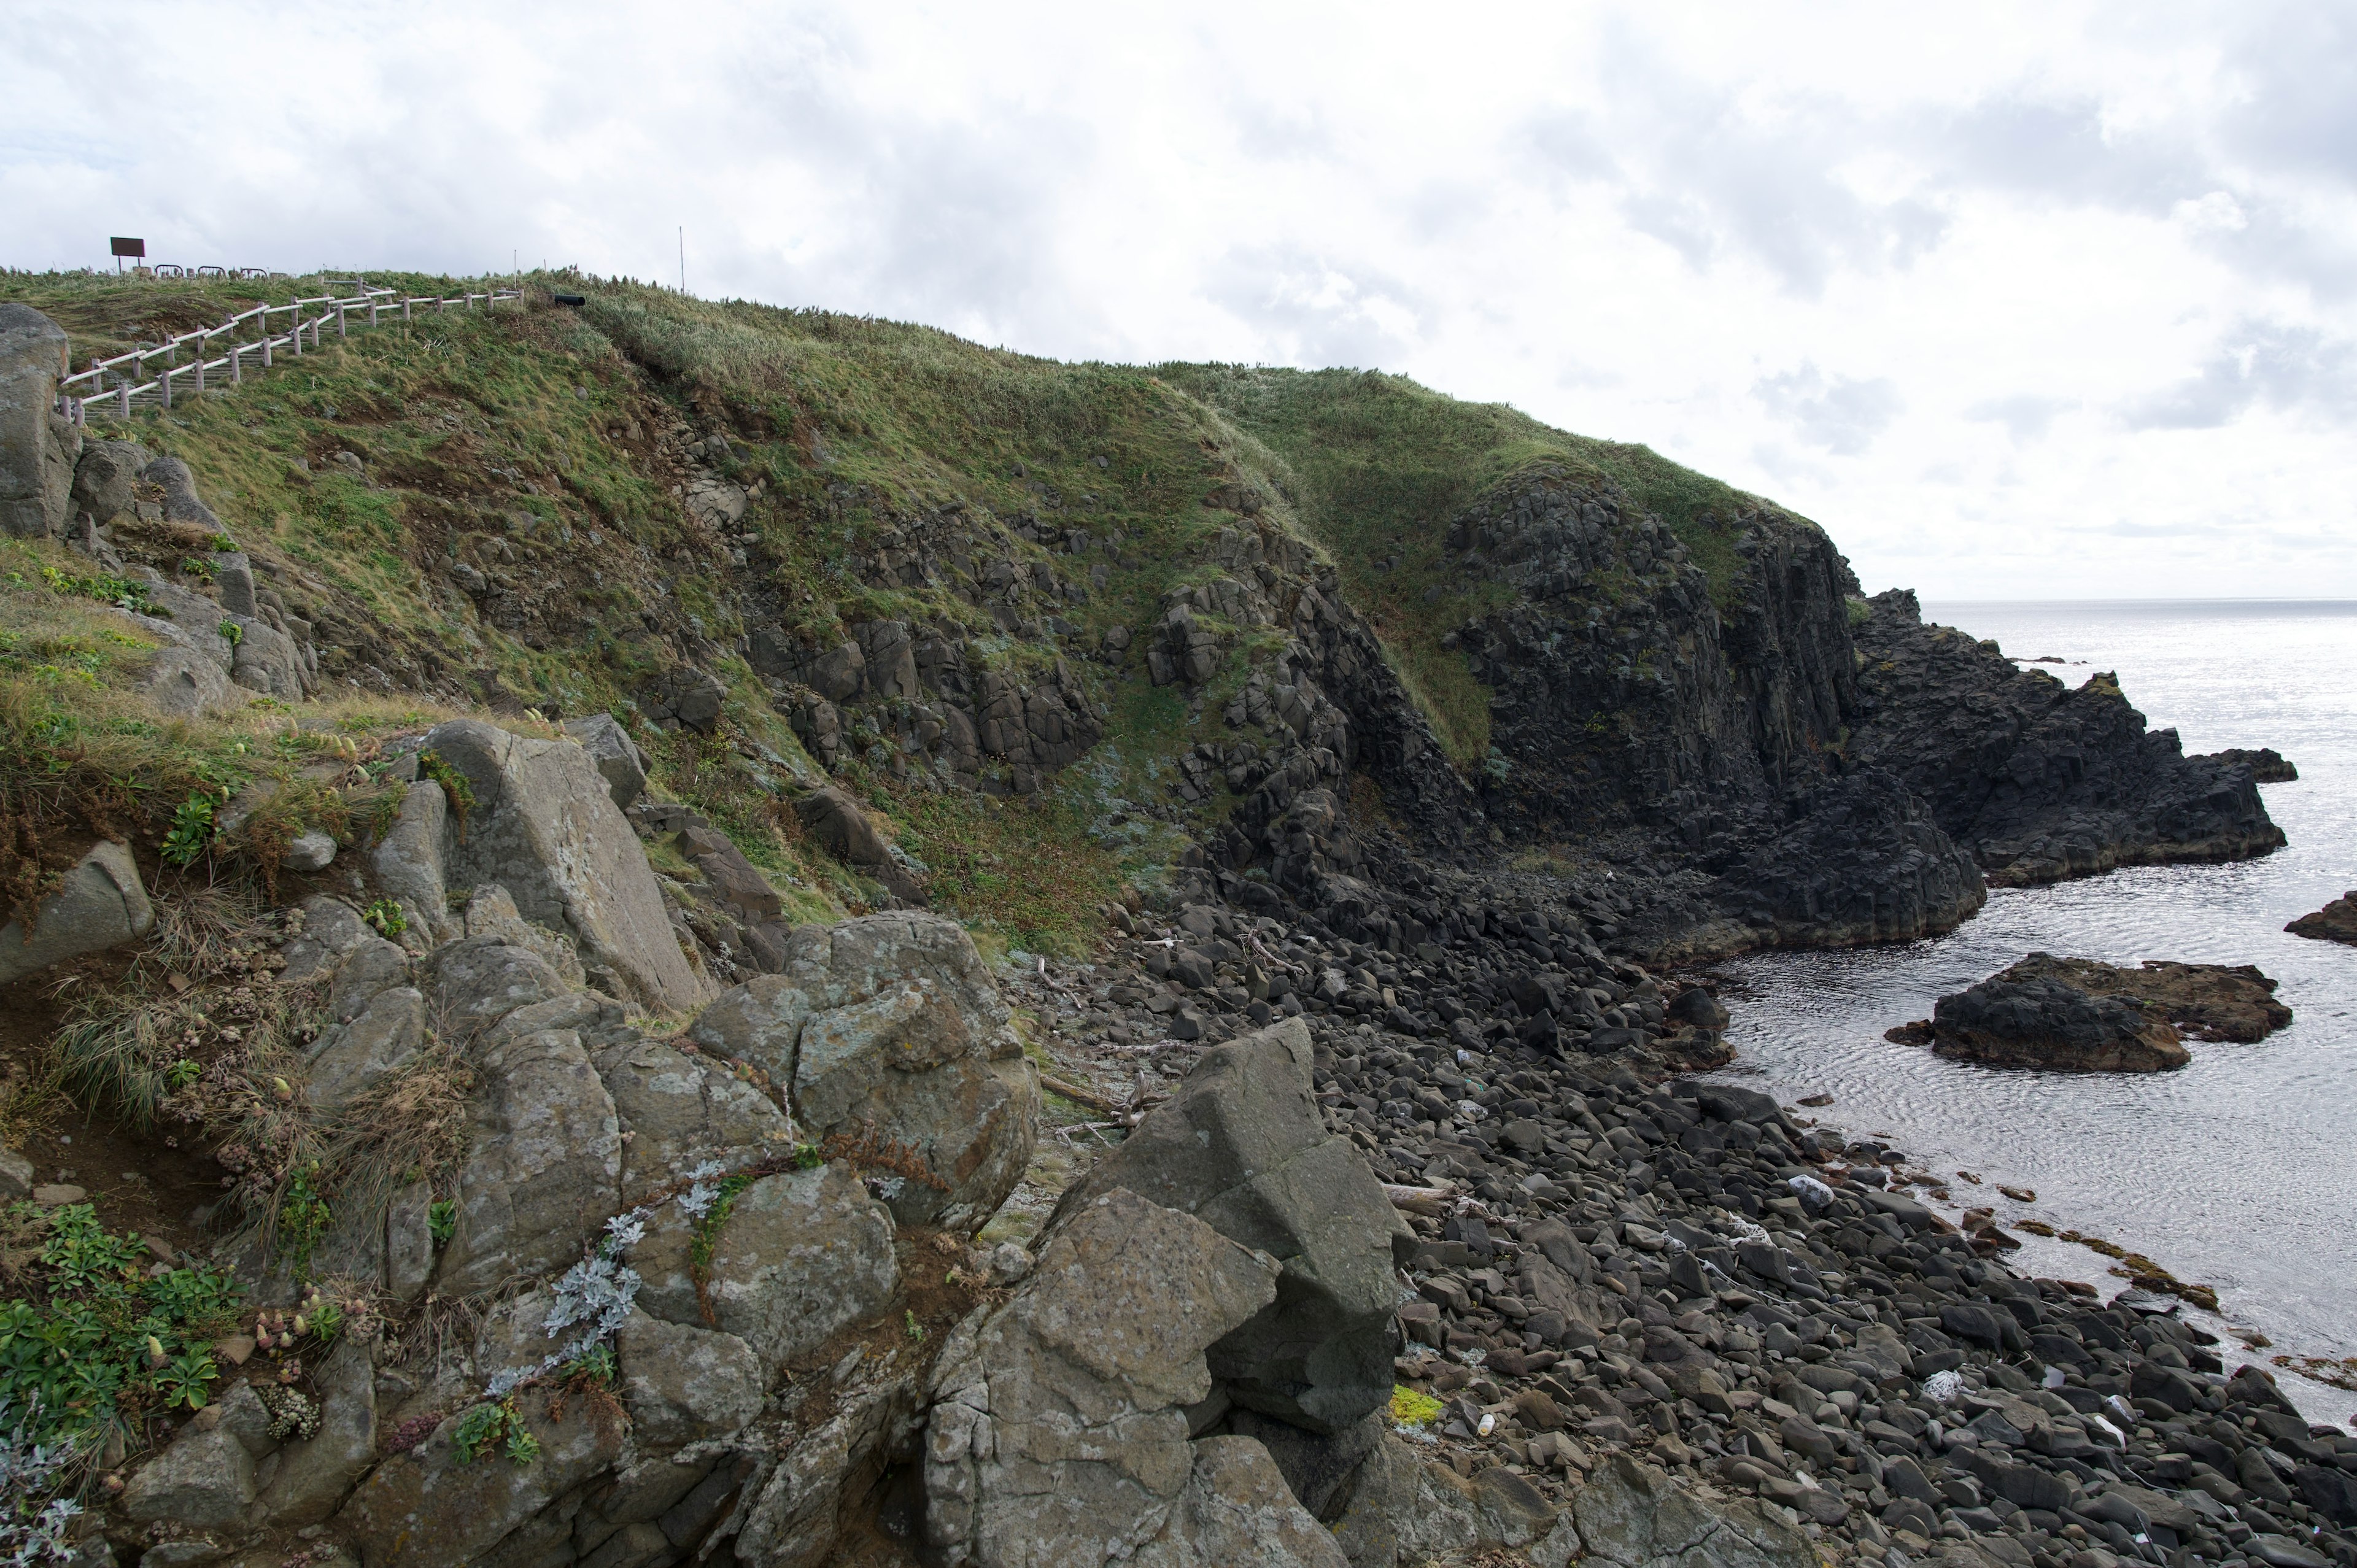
528, 442
1383, 466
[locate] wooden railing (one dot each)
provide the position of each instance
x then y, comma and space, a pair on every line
107, 380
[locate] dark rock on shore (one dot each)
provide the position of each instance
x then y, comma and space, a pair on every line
1857, 860
2336, 922
2040, 782
2028, 1016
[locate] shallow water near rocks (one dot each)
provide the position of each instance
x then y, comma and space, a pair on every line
2240, 1171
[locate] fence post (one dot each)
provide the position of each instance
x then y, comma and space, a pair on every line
296, 310
340, 332
200, 366
404, 308
237, 364
124, 388
371, 313
168, 385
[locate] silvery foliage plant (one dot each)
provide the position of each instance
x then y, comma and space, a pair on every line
33, 1523
595, 1296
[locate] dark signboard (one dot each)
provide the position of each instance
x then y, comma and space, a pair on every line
124, 247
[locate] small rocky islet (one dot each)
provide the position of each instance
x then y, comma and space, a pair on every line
2077, 1015
2336, 922
618, 1163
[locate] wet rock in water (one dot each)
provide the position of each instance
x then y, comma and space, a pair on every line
2040, 782
2209, 1000
2336, 922
2028, 1016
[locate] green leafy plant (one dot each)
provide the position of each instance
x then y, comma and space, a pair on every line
103, 586
441, 1219
495, 1424
455, 788
95, 1345
181, 1074
233, 632
386, 917
327, 1321
191, 831
594, 1365
224, 543
722, 1202
916, 1329
303, 1219
187, 1379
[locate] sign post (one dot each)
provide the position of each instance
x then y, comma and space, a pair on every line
133, 248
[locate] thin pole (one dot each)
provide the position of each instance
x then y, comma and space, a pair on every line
682, 258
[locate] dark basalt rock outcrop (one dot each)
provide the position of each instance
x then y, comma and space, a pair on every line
1857, 860
2040, 782
1621, 692
2336, 922
2031, 1016
2206, 1001
2267, 764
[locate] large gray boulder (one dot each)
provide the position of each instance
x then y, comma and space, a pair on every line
618, 757
683, 1384
37, 448
266, 659
305, 1482
545, 826
180, 680
104, 480
348, 1058
181, 504
890, 1023
796, 1513
475, 983
1243, 1147
802, 1254
1059, 1432
408, 859
683, 1111
205, 1479
431, 1509
327, 931
543, 1164
101, 904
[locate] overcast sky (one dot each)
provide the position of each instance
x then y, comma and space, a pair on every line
2019, 301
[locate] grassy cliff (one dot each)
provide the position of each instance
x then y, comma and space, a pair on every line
545, 449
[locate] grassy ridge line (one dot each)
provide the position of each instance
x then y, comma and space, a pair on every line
1384, 464
482, 429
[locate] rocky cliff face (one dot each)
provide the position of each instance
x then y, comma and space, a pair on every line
1622, 694
1625, 698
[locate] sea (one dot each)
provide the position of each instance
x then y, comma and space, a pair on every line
2239, 1172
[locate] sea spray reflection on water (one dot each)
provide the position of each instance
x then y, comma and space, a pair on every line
2241, 1171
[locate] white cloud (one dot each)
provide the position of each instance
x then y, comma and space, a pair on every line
1975, 290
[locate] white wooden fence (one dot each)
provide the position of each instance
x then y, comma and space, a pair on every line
109, 381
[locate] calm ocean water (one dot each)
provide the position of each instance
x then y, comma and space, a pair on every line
2240, 1171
